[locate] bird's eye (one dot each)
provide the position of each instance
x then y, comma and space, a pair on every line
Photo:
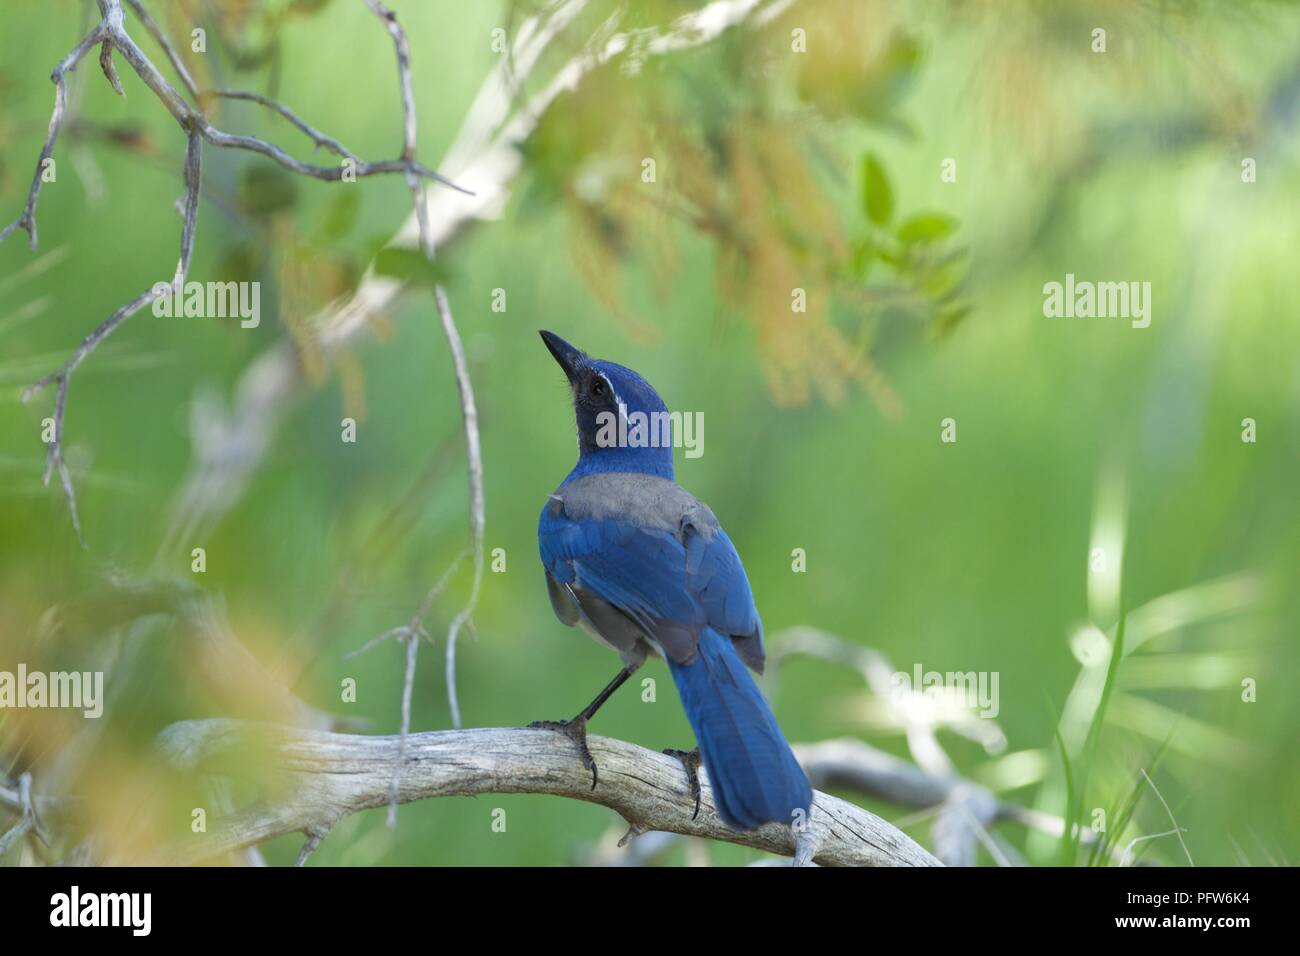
597, 387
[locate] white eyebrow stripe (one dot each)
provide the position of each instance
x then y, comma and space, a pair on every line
613, 391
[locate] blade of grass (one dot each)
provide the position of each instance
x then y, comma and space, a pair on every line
1103, 849
1070, 810
1076, 795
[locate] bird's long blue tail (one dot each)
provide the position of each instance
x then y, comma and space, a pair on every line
754, 774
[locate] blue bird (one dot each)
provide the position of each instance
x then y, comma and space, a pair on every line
645, 568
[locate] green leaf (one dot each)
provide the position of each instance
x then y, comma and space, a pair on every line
927, 227
877, 195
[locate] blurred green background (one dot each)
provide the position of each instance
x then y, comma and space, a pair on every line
823, 429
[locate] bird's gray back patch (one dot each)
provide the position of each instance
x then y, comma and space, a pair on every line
645, 500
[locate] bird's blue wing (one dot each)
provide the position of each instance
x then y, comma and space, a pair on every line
638, 570
717, 578
670, 589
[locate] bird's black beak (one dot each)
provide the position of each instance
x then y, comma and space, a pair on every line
570, 359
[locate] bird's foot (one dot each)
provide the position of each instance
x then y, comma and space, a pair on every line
575, 730
690, 759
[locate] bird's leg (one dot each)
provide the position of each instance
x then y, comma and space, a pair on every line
576, 729
691, 761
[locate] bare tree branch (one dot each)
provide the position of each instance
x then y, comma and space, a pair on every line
13, 799
27, 221
29, 822
315, 135
411, 633
320, 777
151, 25
963, 808
314, 838
110, 33
474, 452
15, 834
63, 375
403, 73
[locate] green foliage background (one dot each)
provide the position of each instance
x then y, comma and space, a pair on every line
967, 556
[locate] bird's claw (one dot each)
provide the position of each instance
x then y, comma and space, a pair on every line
575, 730
690, 760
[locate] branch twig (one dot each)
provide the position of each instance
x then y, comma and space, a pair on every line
312, 133
27, 221
469, 416
474, 453
29, 822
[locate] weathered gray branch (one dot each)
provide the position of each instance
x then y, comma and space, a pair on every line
27, 220
316, 136
316, 778
29, 822
965, 811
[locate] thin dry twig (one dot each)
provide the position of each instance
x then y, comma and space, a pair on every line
111, 36
29, 822
27, 221
410, 633
312, 133
160, 37
14, 834
474, 453
62, 376
314, 837
469, 415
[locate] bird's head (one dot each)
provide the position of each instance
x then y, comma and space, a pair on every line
623, 424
